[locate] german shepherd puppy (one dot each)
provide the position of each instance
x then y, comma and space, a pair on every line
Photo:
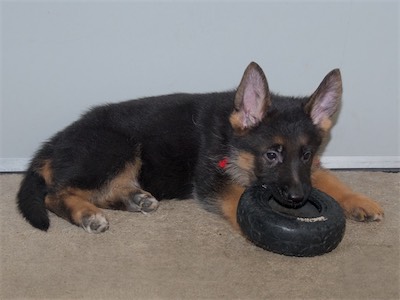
210, 147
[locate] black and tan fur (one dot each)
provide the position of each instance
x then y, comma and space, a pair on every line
210, 147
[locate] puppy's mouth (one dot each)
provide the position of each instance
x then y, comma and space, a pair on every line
283, 199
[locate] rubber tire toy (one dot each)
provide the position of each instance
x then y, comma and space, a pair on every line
313, 229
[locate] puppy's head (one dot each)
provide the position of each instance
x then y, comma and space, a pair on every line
276, 138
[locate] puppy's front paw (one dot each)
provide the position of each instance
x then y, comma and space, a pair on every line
143, 202
360, 208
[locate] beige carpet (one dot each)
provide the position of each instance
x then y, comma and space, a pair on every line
183, 252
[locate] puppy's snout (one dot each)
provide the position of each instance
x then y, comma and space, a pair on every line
296, 197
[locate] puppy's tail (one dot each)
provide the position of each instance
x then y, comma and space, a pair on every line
30, 199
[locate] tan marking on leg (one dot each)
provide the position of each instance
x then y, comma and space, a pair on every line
74, 205
123, 192
120, 186
230, 200
356, 206
46, 172
71, 203
80, 207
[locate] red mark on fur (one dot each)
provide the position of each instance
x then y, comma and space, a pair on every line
222, 163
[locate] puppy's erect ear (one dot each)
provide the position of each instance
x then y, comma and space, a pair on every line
325, 100
252, 99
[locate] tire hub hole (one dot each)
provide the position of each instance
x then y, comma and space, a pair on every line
308, 210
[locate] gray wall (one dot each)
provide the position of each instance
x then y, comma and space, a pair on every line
59, 58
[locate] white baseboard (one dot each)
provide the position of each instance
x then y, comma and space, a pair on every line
331, 162
13, 164
361, 162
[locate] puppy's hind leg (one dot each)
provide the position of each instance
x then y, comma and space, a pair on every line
74, 205
134, 200
123, 192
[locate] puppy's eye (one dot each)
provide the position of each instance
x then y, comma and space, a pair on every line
306, 156
271, 156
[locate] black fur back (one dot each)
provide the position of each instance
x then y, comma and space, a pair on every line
166, 132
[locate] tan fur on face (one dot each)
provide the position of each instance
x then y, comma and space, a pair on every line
241, 167
245, 161
279, 140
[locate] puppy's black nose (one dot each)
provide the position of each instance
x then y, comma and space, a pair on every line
295, 194
296, 197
